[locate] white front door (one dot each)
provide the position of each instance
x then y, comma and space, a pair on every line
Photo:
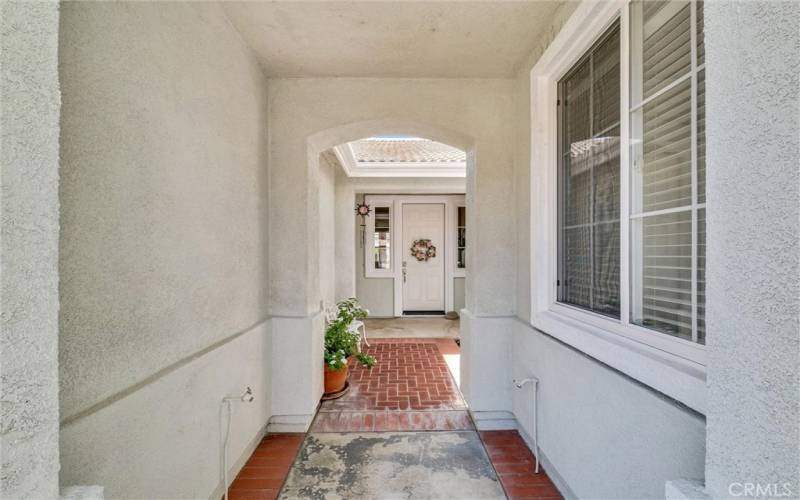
423, 280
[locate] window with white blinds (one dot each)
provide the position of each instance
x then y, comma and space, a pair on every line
589, 111
661, 231
667, 172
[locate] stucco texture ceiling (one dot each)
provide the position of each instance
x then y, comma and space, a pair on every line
444, 39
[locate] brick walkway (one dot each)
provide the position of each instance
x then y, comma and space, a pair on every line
264, 473
410, 388
515, 466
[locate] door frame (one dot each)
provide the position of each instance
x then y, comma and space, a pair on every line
451, 204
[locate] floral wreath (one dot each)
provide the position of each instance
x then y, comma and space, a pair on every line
423, 250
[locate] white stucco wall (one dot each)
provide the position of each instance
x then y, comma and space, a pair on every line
602, 434
29, 114
753, 276
478, 110
327, 231
163, 264
311, 115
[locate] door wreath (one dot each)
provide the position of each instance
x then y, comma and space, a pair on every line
423, 250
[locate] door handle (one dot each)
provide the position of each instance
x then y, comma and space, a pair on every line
404, 274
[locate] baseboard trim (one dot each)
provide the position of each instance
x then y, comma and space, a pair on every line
494, 420
237, 466
290, 423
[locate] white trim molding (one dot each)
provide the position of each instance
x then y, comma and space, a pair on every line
673, 366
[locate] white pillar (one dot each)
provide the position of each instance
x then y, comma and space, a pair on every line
29, 121
753, 274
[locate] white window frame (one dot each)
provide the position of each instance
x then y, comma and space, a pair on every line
669, 364
369, 231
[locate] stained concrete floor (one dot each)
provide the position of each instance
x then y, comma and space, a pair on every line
412, 328
392, 465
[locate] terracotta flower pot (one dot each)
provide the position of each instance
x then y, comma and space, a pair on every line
335, 379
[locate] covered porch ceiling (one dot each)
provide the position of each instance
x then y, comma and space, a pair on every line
479, 39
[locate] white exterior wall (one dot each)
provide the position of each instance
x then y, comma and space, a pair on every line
327, 231
164, 246
310, 115
753, 276
29, 96
601, 433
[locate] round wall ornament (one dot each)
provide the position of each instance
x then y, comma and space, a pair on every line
423, 250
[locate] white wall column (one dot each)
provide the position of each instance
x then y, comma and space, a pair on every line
29, 121
753, 294
297, 325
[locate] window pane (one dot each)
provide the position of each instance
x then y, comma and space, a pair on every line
605, 75
662, 272
589, 180
663, 152
667, 52
576, 91
576, 280
701, 275
381, 238
701, 137
461, 255
605, 286
701, 50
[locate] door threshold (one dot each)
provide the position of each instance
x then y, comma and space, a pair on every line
423, 314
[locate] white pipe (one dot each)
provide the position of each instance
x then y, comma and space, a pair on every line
519, 384
246, 397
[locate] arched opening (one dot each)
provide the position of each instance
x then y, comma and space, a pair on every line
414, 178
393, 163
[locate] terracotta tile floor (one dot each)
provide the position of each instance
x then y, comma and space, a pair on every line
264, 473
409, 389
515, 465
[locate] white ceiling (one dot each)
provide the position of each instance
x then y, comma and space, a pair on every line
391, 38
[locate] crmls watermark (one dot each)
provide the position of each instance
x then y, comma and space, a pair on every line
759, 490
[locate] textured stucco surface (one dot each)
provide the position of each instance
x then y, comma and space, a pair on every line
163, 441
605, 435
753, 275
475, 111
309, 116
327, 231
29, 113
164, 238
391, 38
522, 160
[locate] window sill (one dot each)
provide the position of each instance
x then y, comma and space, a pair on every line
676, 377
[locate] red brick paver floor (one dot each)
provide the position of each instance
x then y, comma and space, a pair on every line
263, 475
515, 466
409, 389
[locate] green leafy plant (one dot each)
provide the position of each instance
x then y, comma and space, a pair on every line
340, 343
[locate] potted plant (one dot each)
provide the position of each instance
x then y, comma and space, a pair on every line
342, 343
